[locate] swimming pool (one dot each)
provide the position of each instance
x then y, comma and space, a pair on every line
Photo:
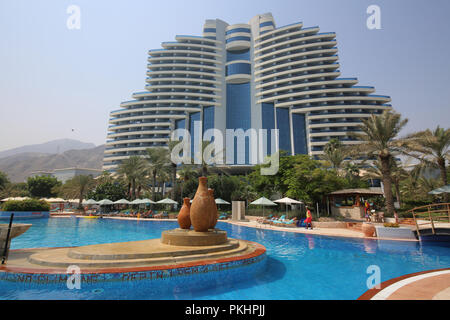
299, 266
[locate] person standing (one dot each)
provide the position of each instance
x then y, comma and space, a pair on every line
308, 220
367, 210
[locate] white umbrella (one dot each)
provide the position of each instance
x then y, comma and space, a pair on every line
54, 200
146, 201
444, 189
287, 201
221, 201
263, 201
136, 201
122, 201
89, 202
15, 198
105, 202
166, 201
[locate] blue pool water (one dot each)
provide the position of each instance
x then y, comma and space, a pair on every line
299, 266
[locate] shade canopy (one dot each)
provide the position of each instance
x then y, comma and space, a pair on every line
15, 198
89, 202
54, 200
288, 201
444, 189
122, 201
136, 201
147, 201
263, 201
105, 202
166, 201
221, 201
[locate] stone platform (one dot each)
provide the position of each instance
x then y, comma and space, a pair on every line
182, 237
146, 253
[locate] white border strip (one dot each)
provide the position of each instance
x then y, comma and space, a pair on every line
386, 292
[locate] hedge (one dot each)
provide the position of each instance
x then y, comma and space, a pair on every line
26, 205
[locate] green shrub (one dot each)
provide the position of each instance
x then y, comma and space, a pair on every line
26, 205
391, 225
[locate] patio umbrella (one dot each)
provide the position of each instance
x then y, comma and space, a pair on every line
105, 202
136, 201
15, 198
89, 202
444, 189
263, 201
122, 201
54, 200
221, 201
147, 201
166, 201
287, 201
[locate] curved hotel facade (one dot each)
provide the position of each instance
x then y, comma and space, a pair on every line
244, 76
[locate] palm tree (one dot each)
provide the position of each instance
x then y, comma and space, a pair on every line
186, 174
132, 170
158, 158
433, 148
172, 145
78, 186
397, 174
334, 153
379, 139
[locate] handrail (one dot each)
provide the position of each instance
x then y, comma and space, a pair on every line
6, 249
428, 213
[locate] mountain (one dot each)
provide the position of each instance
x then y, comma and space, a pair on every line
53, 147
19, 166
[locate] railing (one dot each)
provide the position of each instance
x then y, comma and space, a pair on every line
431, 213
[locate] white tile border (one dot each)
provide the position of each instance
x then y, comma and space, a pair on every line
386, 292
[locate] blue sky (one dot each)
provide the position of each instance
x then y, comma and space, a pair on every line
53, 79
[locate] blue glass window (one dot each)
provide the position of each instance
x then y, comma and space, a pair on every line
265, 24
180, 124
283, 126
209, 30
194, 140
299, 132
239, 38
208, 118
237, 30
238, 55
268, 123
238, 68
239, 113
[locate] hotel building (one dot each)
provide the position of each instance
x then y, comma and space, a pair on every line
246, 75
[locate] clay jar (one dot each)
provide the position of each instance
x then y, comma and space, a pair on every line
184, 219
201, 207
368, 229
214, 212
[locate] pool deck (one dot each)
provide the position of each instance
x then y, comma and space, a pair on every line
426, 285
252, 223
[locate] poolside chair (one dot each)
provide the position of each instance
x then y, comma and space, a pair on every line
223, 216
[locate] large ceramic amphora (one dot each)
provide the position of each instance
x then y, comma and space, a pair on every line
184, 219
201, 207
214, 212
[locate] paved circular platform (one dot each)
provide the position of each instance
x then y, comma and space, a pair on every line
426, 285
183, 237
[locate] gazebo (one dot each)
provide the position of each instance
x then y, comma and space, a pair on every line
348, 203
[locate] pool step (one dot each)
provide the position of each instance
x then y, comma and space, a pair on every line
99, 256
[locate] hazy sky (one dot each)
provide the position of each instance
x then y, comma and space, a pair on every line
53, 79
